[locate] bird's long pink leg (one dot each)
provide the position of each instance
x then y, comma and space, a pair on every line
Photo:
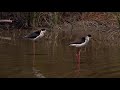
78, 56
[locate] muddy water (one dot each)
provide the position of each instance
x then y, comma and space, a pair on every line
45, 59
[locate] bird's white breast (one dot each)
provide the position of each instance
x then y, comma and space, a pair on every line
41, 35
78, 45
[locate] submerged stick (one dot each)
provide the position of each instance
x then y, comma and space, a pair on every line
7, 21
6, 38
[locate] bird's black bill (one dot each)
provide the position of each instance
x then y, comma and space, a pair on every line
94, 39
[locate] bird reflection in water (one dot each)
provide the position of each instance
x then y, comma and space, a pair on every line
35, 71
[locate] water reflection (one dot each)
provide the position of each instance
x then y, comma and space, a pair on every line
45, 58
35, 71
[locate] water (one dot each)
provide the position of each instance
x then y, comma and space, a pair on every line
45, 59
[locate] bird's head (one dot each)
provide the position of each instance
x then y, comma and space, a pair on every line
43, 30
89, 35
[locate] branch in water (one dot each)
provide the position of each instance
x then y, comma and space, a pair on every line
7, 21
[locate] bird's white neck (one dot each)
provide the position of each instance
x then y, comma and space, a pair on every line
87, 39
42, 32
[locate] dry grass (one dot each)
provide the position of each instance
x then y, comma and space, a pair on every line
104, 35
67, 26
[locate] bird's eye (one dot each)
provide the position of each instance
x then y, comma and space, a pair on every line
43, 29
89, 35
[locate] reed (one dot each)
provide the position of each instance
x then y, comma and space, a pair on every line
66, 26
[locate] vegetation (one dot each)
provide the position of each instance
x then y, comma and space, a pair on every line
105, 26
50, 19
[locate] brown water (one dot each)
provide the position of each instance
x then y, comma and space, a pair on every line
26, 59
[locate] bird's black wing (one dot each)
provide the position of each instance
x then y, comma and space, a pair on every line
33, 35
79, 41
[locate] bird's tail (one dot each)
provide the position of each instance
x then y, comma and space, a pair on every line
71, 45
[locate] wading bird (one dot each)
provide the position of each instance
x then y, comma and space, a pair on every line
36, 35
80, 43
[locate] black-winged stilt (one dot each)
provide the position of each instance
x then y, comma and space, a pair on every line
82, 42
36, 35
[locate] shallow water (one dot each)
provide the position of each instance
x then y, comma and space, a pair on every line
45, 59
